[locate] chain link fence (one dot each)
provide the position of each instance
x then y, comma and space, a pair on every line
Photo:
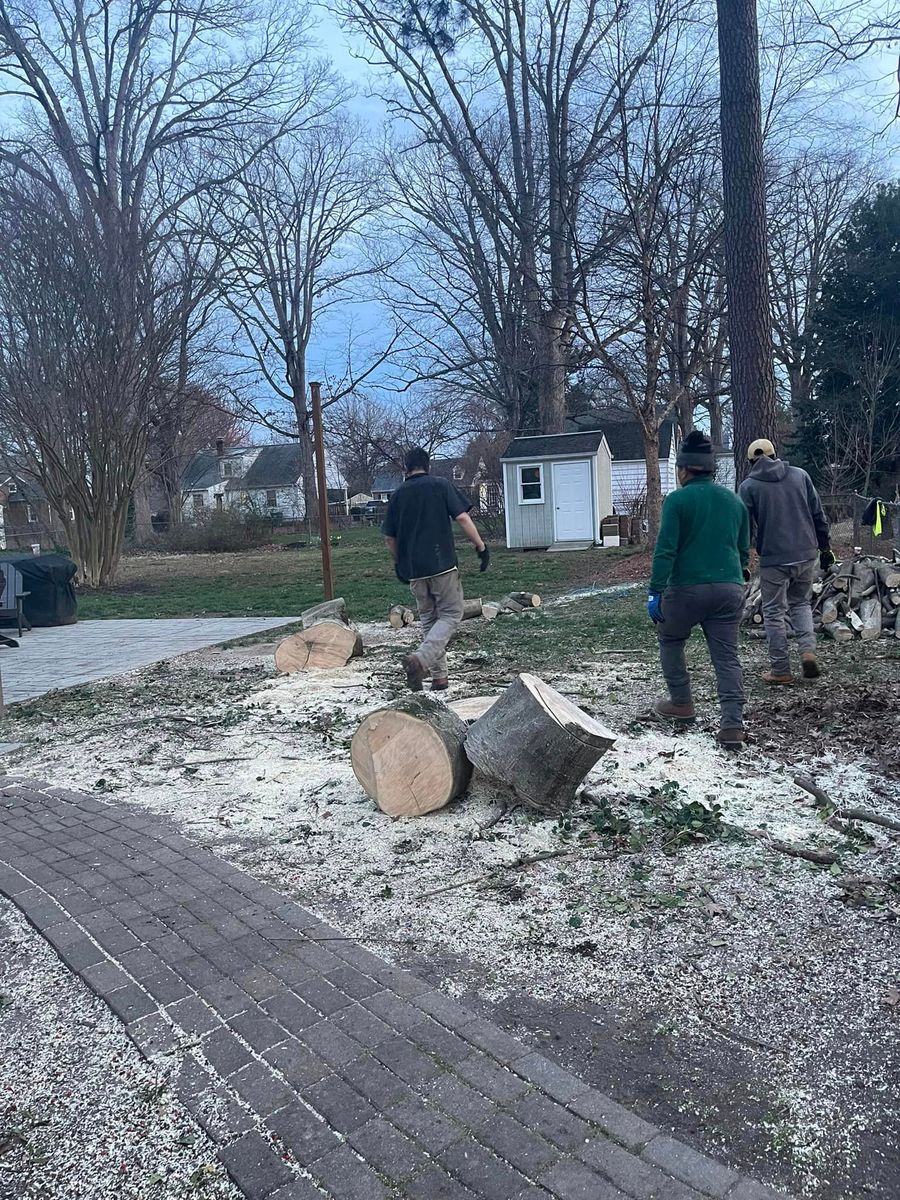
845, 512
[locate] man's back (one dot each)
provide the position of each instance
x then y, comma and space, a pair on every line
419, 516
785, 511
703, 537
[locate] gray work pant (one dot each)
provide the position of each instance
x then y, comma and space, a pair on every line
439, 600
717, 609
787, 590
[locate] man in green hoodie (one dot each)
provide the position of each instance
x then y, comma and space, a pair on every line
699, 570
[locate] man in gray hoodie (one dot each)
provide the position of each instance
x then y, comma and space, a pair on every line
790, 532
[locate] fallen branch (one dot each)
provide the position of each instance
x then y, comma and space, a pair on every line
823, 858
526, 860
825, 803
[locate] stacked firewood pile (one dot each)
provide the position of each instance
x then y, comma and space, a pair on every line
857, 598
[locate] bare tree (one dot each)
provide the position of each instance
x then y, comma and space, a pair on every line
125, 111
521, 99
648, 314
810, 200
292, 222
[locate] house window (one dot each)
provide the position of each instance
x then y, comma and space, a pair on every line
29, 513
12, 486
197, 500
531, 484
271, 498
458, 474
227, 468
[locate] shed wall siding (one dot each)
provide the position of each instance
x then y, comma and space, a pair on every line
604, 485
530, 525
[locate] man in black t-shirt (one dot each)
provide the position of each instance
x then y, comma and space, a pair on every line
418, 529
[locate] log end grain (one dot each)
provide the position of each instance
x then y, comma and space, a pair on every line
322, 646
409, 757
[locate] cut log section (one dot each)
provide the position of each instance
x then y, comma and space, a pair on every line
323, 645
889, 575
839, 632
471, 709
526, 599
329, 610
511, 604
409, 757
870, 613
538, 744
829, 612
400, 615
491, 610
471, 609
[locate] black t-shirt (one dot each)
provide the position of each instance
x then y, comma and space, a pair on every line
419, 516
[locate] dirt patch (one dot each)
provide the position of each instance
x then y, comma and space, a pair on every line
728, 992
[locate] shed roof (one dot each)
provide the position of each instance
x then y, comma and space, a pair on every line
552, 445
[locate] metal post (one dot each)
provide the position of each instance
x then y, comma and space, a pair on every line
322, 486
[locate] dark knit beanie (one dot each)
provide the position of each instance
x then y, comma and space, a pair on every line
696, 452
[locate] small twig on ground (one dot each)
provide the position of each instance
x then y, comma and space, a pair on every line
212, 762
755, 1043
526, 860
506, 810
824, 858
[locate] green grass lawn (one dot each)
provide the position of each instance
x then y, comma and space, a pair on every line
283, 582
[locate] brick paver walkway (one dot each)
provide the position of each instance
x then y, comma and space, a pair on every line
316, 1067
64, 656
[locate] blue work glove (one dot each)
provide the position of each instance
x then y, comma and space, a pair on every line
654, 608
484, 557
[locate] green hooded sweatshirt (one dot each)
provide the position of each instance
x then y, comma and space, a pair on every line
704, 537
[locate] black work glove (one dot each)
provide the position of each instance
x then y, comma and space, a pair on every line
746, 574
484, 557
826, 560
399, 576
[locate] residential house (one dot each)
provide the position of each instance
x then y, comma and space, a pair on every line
26, 518
261, 478
629, 464
465, 475
557, 489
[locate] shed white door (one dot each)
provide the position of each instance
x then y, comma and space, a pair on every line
573, 502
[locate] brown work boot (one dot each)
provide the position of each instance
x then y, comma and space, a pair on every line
415, 672
440, 684
683, 713
777, 678
733, 738
810, 665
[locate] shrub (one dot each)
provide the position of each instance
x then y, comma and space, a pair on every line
218, 530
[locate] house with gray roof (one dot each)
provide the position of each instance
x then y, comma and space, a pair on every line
629, 466
258, 478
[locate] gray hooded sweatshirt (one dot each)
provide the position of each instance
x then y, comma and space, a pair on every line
787, 523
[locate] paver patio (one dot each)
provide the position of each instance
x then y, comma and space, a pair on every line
66, 655
317, 1068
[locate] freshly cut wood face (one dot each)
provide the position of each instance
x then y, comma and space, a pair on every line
325, 644
568, 715
473, 707
402, 764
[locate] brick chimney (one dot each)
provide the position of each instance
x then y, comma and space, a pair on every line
220, 447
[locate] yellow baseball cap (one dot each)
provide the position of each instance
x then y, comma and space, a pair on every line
759, 447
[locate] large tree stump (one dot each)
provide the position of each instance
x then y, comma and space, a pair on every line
323, 645
329, 610
537, 743
409, 757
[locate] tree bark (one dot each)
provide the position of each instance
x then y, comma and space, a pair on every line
744, 225
538, 744
143, 517
654, 483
